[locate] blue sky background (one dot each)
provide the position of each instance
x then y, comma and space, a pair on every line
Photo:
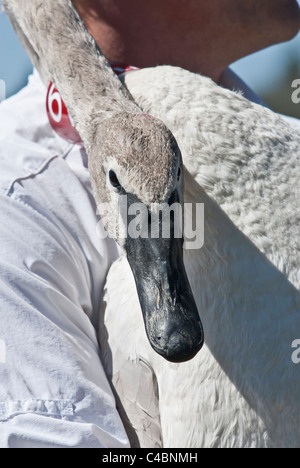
261, 71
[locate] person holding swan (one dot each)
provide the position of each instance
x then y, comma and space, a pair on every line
53, 388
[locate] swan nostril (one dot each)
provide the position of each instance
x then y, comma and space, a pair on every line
179, 174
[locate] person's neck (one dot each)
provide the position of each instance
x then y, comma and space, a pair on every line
146, 34
156, 45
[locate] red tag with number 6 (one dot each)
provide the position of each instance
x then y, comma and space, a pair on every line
59, 117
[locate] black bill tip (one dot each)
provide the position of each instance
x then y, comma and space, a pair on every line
178, 348
176, 332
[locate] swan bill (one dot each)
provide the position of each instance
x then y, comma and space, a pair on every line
170, 314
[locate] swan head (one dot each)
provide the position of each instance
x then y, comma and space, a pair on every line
137, 178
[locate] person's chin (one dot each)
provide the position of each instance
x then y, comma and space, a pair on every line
284, 16
292, 18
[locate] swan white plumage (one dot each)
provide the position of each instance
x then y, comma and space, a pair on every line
242, 389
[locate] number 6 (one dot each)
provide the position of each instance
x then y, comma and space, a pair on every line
54, 96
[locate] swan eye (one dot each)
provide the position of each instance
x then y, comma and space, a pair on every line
114, 180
